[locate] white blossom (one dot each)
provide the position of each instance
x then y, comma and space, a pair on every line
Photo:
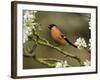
89, 44
61, 64
80, 42
58, 64
27, 32
25, 37
29, 15
26, 14
89, 24
87, 63
65, 64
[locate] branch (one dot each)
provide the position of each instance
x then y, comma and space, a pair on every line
61, 51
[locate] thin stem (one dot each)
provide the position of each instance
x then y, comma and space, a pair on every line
40, 60
51, 59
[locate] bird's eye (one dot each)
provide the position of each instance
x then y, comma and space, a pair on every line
62, 35
49, 27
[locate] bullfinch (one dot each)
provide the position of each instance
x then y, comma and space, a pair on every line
58, 37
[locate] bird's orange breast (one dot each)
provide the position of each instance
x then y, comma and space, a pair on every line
56, 35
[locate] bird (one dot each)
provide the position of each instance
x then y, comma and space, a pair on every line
58, 36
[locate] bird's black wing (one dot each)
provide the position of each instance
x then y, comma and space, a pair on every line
68, 41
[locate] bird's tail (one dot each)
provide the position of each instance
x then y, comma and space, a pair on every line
70, 43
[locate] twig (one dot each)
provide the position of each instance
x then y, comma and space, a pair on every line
51, 59
42, 61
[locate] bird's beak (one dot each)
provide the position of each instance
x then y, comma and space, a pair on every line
49, 27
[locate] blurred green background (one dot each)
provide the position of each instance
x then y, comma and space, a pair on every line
72, 25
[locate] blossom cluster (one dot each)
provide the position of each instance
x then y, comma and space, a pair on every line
87, 63
29, 23
89, 24
62, 64
80, 42
89, 44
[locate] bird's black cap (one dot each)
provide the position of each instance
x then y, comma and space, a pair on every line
51, 25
